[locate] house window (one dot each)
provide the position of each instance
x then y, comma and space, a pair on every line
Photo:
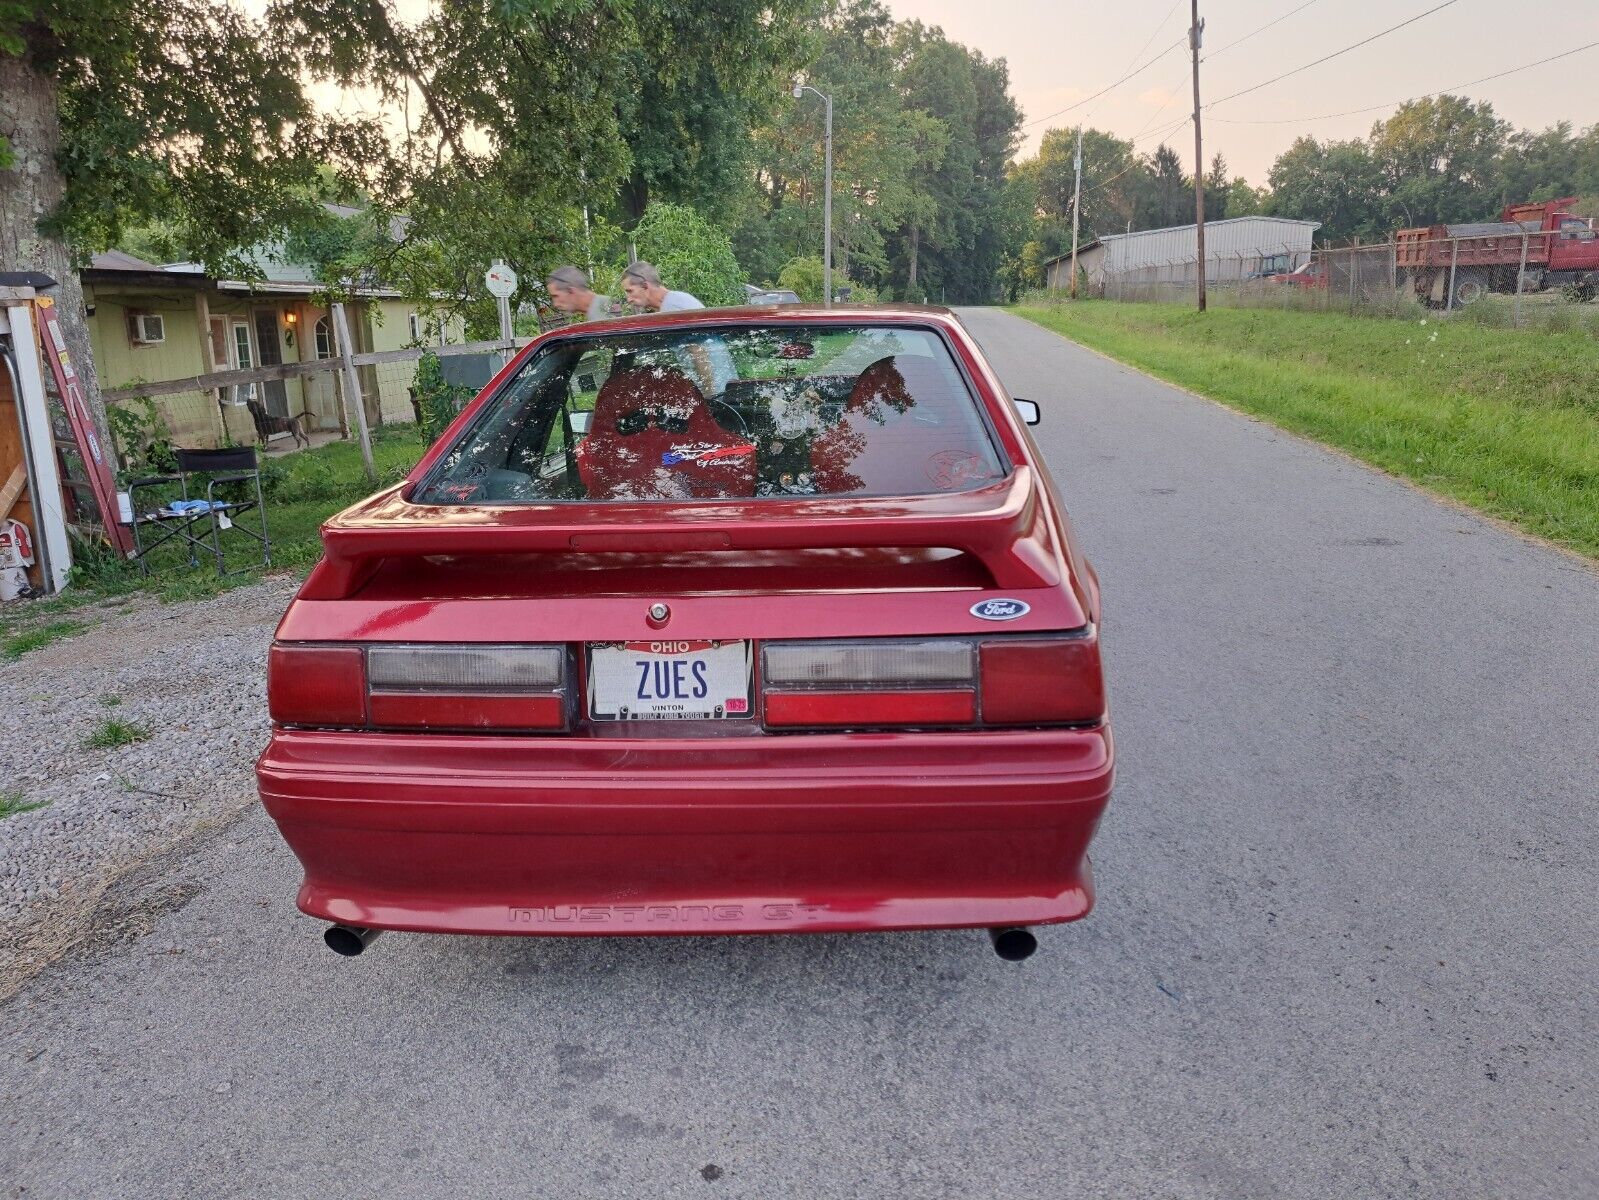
416, 327
323, 334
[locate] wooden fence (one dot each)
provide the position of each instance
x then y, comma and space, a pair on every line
227, 379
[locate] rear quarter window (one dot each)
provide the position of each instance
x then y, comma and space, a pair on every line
725, 414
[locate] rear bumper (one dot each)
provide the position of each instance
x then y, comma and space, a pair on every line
495, 835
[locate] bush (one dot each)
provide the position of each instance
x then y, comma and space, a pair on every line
143, 442
438, 400
691, 254
803, 277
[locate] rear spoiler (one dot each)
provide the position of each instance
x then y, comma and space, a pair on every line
1006, 526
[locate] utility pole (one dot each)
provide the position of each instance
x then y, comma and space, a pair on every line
1196, 32
1077, 202
827, 214
827, 192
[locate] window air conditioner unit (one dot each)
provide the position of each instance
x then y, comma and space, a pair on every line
149, 329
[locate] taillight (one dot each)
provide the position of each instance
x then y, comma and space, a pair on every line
316, 685
467, 687
1026, 680
1042, 681
870, 683
864, 709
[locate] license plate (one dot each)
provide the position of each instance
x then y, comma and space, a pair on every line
669, 681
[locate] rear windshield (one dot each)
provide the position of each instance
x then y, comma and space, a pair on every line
724, 414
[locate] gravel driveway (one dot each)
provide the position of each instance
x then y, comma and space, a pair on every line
192, 675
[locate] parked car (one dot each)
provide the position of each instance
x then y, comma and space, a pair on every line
775, 296
1312, 274
727, 621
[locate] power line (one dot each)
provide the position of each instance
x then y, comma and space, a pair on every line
1262, 29
1139, 71
1171, 94
1161, 133
1153, 34
1333, 55
1354, 112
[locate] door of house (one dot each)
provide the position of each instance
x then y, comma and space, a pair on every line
242, 353
271, 355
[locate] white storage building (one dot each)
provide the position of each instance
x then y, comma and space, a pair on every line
1235, 248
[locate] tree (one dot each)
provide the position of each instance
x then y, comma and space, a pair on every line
875, 143
1111, 179
706, 74
958, 217
1172, 191
1439, 158
1217, 190
1336, 183
1245, 200
803, 277
691, 254
121, 111
518, 114
994, 215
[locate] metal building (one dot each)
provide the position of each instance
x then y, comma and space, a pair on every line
1236, 248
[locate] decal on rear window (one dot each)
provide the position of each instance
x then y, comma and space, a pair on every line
725, 413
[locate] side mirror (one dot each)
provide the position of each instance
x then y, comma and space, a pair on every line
1031, 413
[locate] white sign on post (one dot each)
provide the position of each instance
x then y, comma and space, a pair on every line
500, 281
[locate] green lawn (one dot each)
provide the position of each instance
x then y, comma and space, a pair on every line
302, 491
1506, 421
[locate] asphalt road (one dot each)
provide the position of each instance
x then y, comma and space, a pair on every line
1345, 946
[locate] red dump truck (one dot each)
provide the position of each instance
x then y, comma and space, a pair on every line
1455, 265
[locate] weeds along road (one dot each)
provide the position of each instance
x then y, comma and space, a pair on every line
1344, 946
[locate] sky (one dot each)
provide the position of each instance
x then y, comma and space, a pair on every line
1060, 51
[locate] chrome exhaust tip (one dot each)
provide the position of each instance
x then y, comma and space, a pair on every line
1013, 944
349, 940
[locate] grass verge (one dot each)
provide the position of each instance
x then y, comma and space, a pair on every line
302, 491
111, 733
1505, 421
13, 802
19, 643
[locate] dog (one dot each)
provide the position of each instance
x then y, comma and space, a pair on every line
267, 424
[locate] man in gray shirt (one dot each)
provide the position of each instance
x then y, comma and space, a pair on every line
570, 292
642, 285
706, 359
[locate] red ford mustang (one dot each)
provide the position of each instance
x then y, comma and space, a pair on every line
729, 621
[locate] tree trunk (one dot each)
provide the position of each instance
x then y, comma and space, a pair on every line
30, 191
916, 242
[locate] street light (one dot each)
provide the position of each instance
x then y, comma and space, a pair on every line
827, 193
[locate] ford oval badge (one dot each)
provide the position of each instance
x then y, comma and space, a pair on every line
1001, 610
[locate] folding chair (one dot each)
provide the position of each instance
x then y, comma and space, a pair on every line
176, 519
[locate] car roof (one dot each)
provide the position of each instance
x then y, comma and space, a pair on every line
767, 314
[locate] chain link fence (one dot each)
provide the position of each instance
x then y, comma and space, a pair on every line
1521, 279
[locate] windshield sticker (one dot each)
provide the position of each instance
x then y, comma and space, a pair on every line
954, 469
